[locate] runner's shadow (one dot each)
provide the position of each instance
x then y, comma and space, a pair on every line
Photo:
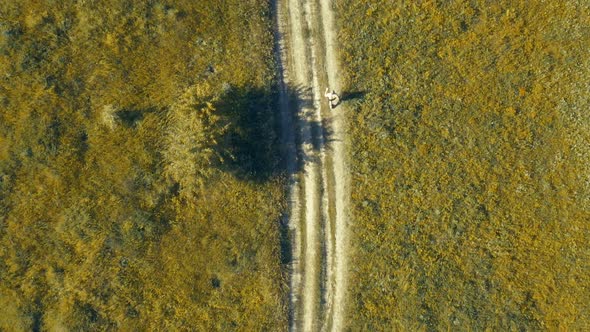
353, 95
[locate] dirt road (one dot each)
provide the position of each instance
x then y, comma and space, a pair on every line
313, 145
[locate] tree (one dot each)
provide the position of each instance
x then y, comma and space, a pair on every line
191, 142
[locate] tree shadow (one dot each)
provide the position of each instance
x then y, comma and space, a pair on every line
258, 139
265, 141
321, 132
250, 146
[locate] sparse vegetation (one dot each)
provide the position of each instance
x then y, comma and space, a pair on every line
140, 187
470, 154
135, 194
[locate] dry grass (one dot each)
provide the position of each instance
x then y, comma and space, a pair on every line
131, 195
470, 164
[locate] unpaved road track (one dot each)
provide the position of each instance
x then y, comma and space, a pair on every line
313, 146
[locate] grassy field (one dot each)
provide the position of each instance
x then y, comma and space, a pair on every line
470, 146
139, 183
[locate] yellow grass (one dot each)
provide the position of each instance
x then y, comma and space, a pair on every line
133, 194
470, 164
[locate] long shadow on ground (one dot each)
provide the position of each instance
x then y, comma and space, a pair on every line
252, 144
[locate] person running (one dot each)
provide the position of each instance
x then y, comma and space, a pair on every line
333, 98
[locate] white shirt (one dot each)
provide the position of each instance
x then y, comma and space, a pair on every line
331, 95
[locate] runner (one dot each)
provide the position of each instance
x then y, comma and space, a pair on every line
333, 98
